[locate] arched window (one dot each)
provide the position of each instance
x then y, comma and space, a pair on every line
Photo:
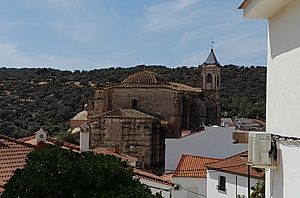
134, 103
218, 81
209, 78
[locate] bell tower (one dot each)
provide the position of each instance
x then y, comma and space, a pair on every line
211, 73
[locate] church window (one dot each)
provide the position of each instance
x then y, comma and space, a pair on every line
218, 81
209, 78
41, 136
134, 103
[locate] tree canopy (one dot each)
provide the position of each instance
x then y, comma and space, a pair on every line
49, 98
56, 172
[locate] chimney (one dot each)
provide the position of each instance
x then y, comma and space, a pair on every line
84, 141
84, 137
40, 136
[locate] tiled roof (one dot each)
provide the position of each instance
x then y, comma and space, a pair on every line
150, 176
81, 116
13, 154
123, 157
211, 59
193, 166
127, 113
171, 86
12, 157
167, 176
236, 164
145, 77
31, 140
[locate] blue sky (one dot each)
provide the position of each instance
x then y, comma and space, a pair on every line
89, 34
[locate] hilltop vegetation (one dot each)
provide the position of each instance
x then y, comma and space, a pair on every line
48, 98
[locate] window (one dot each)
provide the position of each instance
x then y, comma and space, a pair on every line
41, 136
209, 78
134, 103
222, 183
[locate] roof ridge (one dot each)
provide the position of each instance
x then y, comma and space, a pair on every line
235, 155
202, 156
16, 141
122, 113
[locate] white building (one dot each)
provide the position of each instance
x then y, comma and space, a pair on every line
190, 176
155, 183
214, 142
283, 109
229, 177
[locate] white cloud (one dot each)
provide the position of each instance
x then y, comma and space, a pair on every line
165, 16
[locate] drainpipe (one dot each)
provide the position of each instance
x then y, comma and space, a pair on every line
248, 181
236, 190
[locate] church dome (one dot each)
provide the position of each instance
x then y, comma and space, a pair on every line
145, 77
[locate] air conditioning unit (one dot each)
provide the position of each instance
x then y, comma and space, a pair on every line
259, 145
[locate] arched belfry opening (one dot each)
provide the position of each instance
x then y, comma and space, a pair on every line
209, 78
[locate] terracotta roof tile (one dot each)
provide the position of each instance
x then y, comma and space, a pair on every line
193, 166
167, 176
150, 176
128, 158
127, 113
236, 164
12, 156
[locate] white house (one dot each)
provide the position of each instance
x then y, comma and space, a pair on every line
283, 96
228, 178
155, 183
190, 176
214, 142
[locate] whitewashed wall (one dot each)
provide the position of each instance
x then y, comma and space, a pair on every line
214, 142
235, 185
192, 184
283, 97
156, 187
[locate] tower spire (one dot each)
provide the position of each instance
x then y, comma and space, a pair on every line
211, 59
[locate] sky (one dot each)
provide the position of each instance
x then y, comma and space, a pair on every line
93, 34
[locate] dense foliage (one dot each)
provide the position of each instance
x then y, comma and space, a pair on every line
56, 172
48, 98
258, 191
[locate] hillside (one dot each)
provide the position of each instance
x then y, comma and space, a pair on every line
48, 98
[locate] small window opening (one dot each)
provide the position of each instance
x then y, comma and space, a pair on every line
222, 183
134, 103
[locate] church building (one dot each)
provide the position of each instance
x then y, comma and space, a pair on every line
138, 114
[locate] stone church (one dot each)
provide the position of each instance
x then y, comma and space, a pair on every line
138, 114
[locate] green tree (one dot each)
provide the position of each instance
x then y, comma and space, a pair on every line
56, 172
258, 191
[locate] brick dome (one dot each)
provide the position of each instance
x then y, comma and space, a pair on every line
145, 77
